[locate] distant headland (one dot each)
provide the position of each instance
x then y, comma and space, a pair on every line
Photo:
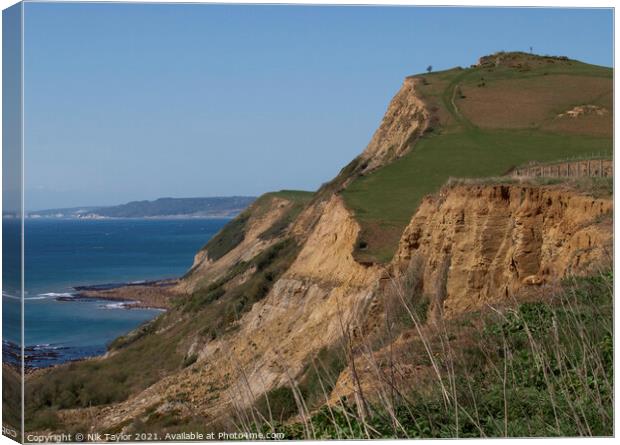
214, 207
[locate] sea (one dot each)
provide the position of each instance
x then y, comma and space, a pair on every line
63, 253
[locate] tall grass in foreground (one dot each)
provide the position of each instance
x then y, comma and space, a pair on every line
537, 368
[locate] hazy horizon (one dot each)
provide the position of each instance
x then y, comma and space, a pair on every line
131, 102
137, 200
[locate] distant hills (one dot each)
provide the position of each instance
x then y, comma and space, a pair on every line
222, 207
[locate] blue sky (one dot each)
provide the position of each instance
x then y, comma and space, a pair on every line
135, 101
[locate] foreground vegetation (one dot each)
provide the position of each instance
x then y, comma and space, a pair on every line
538, 368
11, 398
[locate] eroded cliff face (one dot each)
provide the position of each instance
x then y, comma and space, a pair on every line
478, 244
262, 215
406, 118
322, 295
469, 247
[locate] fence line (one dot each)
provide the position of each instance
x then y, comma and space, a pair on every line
577, 169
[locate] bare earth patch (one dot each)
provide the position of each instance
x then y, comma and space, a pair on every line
582, 110
530, 102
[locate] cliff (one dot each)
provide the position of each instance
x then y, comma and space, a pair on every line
467, 247
406, 119
481, 244
278, 308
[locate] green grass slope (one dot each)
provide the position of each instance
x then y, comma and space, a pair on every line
491, 118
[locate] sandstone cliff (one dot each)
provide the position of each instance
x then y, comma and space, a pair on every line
482, 243
474, 246
322, 294
470, 245
406, 119
257, 219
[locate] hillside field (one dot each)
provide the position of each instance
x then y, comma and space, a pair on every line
489, 119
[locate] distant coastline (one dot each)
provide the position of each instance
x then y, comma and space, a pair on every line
35, 216
162, 208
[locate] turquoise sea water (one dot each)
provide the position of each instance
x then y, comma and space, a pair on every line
61, 254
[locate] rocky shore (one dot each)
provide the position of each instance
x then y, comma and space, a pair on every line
158, 294
44, 355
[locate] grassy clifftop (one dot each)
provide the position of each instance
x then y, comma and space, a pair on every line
509, 109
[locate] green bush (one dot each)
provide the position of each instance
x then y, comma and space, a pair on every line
280, 402
229, 237
190, 360
203, 297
